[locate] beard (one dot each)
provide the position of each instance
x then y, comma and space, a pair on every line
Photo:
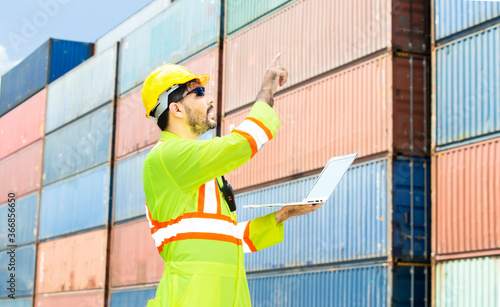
198, 121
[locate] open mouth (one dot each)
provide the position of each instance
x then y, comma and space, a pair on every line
210, 111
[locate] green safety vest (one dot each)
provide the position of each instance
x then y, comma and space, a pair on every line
195, 233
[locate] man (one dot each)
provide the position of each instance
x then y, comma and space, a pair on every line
193, 227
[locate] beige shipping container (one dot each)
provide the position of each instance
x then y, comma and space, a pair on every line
378, 106
133, 130
134, 257
466, 201
72, 263
77, 299
316, 36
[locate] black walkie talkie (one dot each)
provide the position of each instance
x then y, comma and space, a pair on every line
227, 191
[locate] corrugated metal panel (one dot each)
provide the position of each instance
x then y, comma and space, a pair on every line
353, 224
346, 40
134, 257
24, 125
70, 198
86, 299
32, 74
130, 24
83, 89
129, 193
240, 13
26, 213
25, 79
467, 193
24, 271
72, 263
65, 55
131, 110
354, 112
467, 88
468, 282
18, 302
20, 172
451, 16
364, 285
132, 298
79, 146
170, 37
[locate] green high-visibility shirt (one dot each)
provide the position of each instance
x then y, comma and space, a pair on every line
193, 229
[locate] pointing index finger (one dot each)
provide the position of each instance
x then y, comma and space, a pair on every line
276, 58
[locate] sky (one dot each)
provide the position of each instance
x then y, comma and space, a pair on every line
26, 24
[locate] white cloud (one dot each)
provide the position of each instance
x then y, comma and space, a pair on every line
5, 63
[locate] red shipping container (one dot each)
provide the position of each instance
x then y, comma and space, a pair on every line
134, 257
316, 36
466, 201
72, 263
85, 299
133, 130
364, 109
23, 125
20, 172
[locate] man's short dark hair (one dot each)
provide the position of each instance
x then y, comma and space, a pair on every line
174, 96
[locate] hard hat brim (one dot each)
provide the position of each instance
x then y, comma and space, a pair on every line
204, 79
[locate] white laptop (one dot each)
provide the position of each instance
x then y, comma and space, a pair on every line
326, 183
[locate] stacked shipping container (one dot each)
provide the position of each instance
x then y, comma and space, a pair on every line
465, 151
23, 102
359, 82
76, 181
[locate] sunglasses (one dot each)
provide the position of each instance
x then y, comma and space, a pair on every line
199, 91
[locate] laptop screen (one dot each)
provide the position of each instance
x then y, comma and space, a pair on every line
330, 177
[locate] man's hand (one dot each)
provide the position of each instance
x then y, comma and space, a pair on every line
275, 75
288, 212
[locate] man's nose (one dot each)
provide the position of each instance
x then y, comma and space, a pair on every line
210, 100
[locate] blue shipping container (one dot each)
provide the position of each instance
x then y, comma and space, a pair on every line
467, 98
75, 204
183, 29
24, 269
129, 197
360, 220
132, 297
26, 214
81, 90
376, 285
80, 146
18, 302
50, 61
241, 12
452, 16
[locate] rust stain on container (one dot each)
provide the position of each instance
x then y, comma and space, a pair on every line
133, 130
352, 110
94, 299
20, 172
134, 257
466, 184
23, 125
330, 34
72, 263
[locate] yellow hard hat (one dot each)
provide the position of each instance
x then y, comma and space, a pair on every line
165, 78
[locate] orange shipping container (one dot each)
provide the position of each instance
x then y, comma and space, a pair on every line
85, 299
133, 130
316, 36
378, 106
23, 125
20, 172
134, 258
466, 201
72, 263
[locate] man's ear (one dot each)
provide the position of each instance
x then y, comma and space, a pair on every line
176, 109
